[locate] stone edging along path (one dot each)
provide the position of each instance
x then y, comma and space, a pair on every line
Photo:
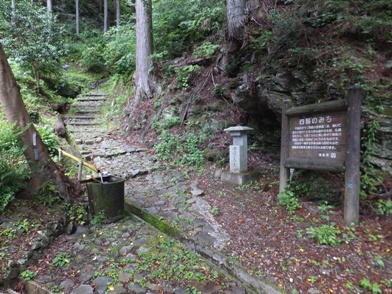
161, 196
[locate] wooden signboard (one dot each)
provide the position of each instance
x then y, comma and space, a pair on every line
325, 136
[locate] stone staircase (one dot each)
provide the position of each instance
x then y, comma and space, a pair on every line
85, 123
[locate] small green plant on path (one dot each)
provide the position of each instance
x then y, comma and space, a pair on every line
61, 259
325, 210
378, 260
9, 233
76, 214
312, 279
168, 260
367, 285
287, 198
23, 225
98, 219
214, 210
384, 207
326, 234
350, 286
27, 275
192, 290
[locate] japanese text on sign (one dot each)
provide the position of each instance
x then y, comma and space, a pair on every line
318, 136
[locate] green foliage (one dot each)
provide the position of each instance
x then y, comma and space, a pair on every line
48, 194
181, 150
384, 207
13, 171
120, 49
263, 41
168, 260
49, 138
206, 50
172, 122
287, 198
326, 234
215, 210
325, 210
27, 275
61, 259
378, 260
367, 285
185, 74
93, 57
369, 144
8, 232
314, 186
178, 23
287, 30
98, 219
32, 37
76, 213
23, 225
192, 290
368, 19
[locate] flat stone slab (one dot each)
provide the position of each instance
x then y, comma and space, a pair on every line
239, 179
238, 129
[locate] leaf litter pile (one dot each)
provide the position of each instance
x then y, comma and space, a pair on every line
308, 251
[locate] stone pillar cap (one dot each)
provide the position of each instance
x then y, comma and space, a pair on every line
238, 129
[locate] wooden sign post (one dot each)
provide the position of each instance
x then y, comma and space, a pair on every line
325, 136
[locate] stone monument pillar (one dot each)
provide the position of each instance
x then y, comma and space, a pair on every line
239, 149
238, 157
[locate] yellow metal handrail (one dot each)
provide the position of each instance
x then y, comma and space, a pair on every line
90, 166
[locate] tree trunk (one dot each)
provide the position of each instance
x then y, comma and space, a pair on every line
105, 16
144, 48
236, 19
77, 17
118, 13
42, 166
49, 6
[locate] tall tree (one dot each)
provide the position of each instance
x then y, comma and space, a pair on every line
236, 19
38, 48
49, 6
77, 17
42, 166
105, 16
144, 81
144, 48
118, 13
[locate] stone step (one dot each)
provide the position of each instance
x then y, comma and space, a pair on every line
84, 105
93, 94
81, 112
82, 123
84, 131
91, 99
80, 117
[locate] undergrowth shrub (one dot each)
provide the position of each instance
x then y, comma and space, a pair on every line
181, 150
49, 139
314, 186
327, 234
369, 142
120, 49
178, 23
93, 57
287, 198
13, 171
